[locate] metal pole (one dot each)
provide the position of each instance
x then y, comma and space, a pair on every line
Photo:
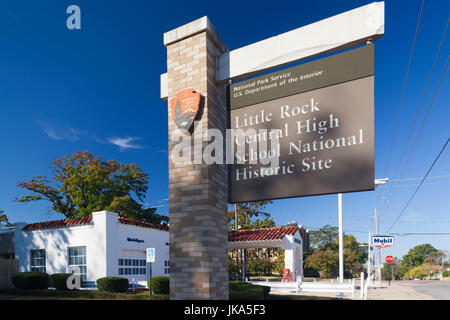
389, 281
362, 286
150, 288
341, 241
244, 258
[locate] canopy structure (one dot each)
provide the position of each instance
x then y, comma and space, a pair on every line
287, 238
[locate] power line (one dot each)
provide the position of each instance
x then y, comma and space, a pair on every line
420, 104
418, 187
401, 101
413, 185
413, 179
345, 230
436, 92
402, 234
404, 88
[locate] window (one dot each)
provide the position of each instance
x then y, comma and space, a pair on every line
77, 261
166, 267
139, 266
38, 260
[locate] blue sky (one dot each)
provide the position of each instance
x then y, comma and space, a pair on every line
97, 89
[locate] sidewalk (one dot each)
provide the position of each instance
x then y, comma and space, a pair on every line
377, 291
317, 294
396, 291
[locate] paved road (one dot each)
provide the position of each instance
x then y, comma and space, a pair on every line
437, 289
411, 290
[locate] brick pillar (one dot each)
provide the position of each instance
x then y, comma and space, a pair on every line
197, 192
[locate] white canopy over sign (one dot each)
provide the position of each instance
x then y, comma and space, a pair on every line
342, 31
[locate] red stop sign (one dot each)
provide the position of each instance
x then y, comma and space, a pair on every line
389, 259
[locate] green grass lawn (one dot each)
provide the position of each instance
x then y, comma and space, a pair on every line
238, 291
127, 296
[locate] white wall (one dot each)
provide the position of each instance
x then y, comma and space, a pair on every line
293, 255
105, 240
119, 247
56, 243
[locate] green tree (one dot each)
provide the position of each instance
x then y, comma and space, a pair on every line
422, 271
251, 215
354, 256
435, 258
82, 183
325, 244
395, 270
326, 262
417, 255
4, 220
260, 267
232, 268
279, 263
324, 238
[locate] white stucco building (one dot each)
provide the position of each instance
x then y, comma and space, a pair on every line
107, 245
287, 238
100, 245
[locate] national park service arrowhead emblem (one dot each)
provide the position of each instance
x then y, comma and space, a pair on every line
185, 108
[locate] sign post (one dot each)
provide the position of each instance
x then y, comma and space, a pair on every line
382, 241
389, 260
321, 113
150, 260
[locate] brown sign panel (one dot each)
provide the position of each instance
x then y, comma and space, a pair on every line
339, 68
326, 143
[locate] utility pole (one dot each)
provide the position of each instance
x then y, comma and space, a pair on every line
378, 268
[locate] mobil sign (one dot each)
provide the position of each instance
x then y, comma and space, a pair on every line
382, 241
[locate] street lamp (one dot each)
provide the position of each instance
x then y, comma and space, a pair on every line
381, 181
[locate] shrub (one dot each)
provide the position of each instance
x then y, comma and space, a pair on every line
260, 267
112, 284
59, 280
240, 290
160, 284
445, 274
30, 280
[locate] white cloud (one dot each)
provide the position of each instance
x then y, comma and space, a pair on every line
67, 133
52, 134
125, 143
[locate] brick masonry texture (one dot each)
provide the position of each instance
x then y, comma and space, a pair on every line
198, 192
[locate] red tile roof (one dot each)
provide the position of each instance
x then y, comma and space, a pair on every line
143, 224
276, 233
57, 223
87, 220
